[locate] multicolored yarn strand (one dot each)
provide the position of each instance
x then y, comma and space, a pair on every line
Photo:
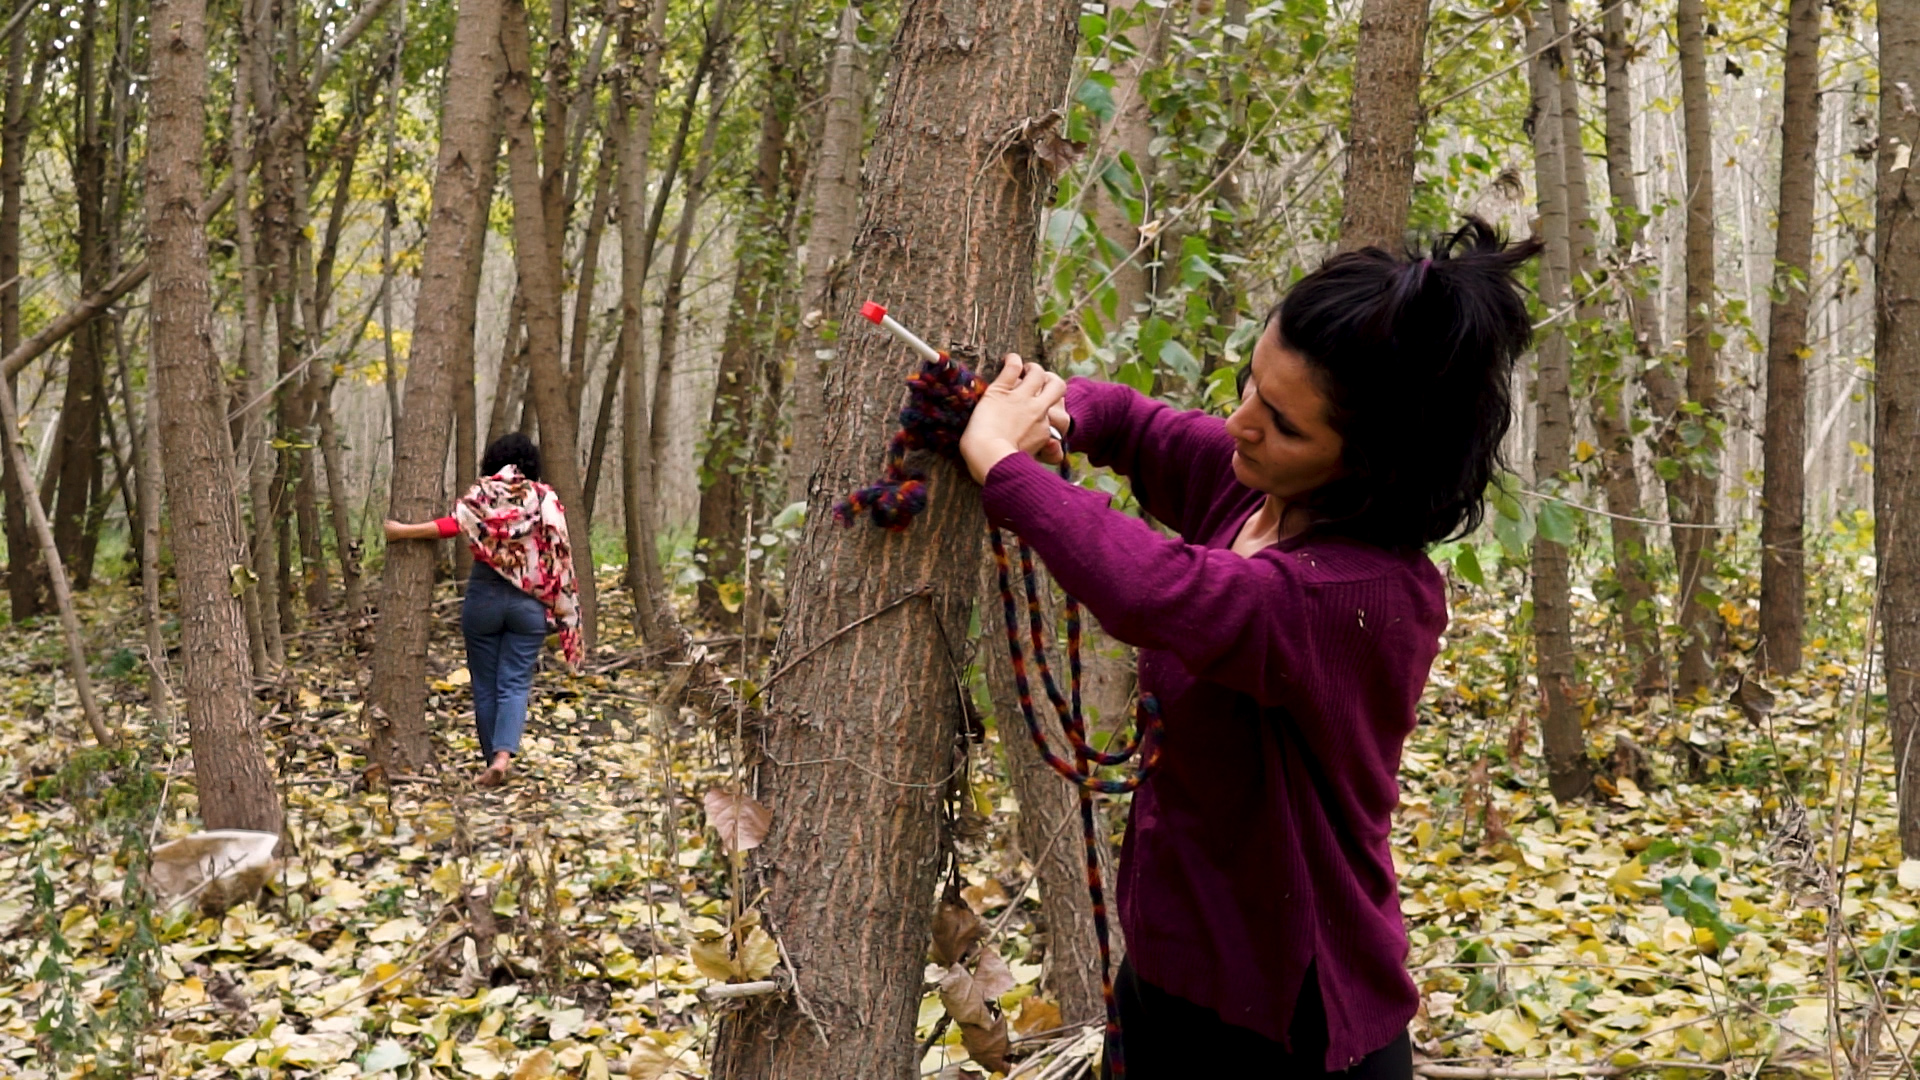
940, 399
1081, 772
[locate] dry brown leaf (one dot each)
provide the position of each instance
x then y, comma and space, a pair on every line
1037, 1014
1056, 153
993, 975
987, 1043
955, 929
740, 819
712, 960
537, 1066
964, 997
759, 955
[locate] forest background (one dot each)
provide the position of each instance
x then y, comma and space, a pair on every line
271, 272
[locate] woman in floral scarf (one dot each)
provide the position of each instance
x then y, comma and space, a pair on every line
521, 588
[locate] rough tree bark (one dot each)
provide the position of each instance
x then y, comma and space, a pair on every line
231, 772
1694, 547
1783, 492
1386, 123
1561, 733
540, 287
397, 720
855, 778
836, 206
1896, 353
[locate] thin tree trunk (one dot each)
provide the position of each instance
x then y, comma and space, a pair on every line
654, 618
401, 740
1561, 734
836, 206
466, 451
1783, 493
257, 455
1657, 377
855, 779
146, 469
56, 573
540, 287
28, 589
1386, 123
77, 435
1694, 548
1131, 135
1896, 353
1620, 479
580, 336
728, 467
232, 775
677, 266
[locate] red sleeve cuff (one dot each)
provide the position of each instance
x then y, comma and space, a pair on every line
447, 526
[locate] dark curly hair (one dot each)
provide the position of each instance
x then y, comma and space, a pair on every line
1415, 355
515, 449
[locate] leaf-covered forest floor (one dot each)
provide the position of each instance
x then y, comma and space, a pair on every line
1676, 923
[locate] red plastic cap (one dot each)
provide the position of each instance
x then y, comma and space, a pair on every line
873, 312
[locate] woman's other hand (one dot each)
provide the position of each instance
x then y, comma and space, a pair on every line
1013, 417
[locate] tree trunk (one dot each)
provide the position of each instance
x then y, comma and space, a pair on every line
674, 289
1620, 478
540, 287
727, 472
1561, 732
1657, 377
948, 238
28, 589
1783, 493
1896, 353
77, 435
466, 448
1048, 827
257, 454
836, 205
401, 741
654, 619
1694, 547
1386, 124
232, 775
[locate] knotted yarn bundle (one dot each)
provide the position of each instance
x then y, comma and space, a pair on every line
940, 400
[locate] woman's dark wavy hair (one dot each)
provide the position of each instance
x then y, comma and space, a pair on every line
515, 449
1415, 355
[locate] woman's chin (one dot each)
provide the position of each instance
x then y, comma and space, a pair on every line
1243, 472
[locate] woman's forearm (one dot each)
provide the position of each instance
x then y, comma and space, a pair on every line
425, 530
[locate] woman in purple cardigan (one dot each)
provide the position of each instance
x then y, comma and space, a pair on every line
1287, 632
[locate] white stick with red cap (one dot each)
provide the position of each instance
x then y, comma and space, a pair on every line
877, 315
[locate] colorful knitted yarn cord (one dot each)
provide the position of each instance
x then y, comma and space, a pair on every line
940, 399
1081, 771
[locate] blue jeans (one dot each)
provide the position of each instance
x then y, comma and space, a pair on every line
505, 630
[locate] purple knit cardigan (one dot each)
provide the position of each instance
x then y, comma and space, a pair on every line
1288, 682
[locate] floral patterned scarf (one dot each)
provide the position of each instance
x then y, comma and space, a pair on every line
518, 527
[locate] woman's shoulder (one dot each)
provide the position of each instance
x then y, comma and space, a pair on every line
1331, 559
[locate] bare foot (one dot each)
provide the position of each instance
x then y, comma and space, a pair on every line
496, 773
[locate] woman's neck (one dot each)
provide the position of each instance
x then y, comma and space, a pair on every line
1268, 526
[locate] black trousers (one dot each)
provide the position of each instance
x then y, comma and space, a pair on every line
1170, 1038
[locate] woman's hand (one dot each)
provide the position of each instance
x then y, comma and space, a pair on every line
1013, 417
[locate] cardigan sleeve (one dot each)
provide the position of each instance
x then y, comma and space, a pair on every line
1283, 626
1176, 460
